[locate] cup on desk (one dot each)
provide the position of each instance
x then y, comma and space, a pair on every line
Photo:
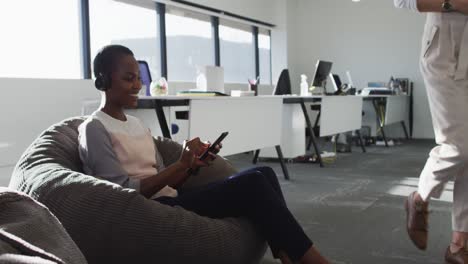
253, 87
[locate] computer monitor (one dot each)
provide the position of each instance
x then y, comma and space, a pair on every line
322, 70
336, 81
145, 75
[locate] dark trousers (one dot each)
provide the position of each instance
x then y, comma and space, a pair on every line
256, 195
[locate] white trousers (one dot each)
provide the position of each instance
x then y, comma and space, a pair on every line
444, 66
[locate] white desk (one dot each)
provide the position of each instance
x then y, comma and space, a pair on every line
338, 114
252, 122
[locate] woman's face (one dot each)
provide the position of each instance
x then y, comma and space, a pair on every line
125, 83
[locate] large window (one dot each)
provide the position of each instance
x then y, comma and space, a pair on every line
189, 44
135, 27
264, 49
237, 52
40, 39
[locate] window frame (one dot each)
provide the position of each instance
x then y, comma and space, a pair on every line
160, 8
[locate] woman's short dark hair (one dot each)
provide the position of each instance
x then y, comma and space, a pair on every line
105, 60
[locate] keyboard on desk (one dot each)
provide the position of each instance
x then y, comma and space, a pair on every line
376, 91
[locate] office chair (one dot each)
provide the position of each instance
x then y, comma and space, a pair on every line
284, 84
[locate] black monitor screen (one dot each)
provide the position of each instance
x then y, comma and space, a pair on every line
322, 70
145, 75
337, 80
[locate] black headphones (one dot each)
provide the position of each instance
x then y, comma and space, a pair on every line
102, 65
102, 82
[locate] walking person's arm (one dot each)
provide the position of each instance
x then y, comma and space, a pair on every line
432, 5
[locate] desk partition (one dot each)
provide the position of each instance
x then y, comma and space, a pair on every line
389, 109
396, 110
340, 114
252, 123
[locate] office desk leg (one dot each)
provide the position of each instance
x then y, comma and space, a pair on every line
382, 131
361, 142
162, 120
311, 132
255, 159
281, 159
404, 129
383, 135
315, 125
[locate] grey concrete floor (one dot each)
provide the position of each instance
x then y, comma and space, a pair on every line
353, 208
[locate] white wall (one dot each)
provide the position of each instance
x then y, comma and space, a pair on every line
31, 105
371, 38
